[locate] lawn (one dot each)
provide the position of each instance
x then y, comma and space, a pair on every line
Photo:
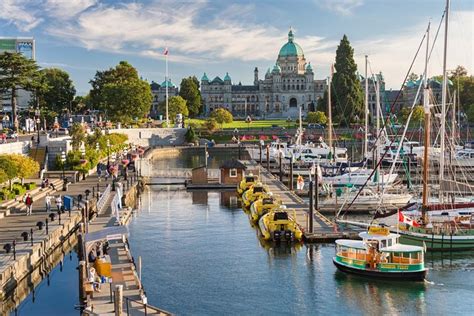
256, 124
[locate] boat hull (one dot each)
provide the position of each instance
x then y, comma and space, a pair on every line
438, 242
396, 276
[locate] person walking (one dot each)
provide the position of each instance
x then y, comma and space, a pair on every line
47, 200
59, 202
29, 204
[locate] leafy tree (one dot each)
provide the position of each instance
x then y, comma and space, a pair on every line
322, 103
60, 92
120, 93
460, 71
3, 176
81, 103
17, 72
189, 91
211, 125
418, 115
78, 135
222, 116
413, 77
176, 105
317, 117
190, 135
470, 113
9, 168
348, 95
26, 167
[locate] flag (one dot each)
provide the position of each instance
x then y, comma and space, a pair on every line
166, 51
406, 220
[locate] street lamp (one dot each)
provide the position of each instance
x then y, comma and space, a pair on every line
38, 121
63, 160
108, 154
113, 175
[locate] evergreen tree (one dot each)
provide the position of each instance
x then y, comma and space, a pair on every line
189, 91
348, 98
17, 72
120, 93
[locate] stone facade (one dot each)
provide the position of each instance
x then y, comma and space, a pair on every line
159, 95
288, 85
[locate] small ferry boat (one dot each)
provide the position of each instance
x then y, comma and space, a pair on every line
263, 205
246, 183
252, 194
279, 226
380, 255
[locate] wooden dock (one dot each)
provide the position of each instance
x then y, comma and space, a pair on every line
324, 230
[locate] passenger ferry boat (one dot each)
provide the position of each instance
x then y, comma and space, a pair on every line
380, 255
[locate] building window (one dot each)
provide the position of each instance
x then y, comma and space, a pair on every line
233, 173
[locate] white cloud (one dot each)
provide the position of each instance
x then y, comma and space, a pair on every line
64, 9
342, 7
21, 13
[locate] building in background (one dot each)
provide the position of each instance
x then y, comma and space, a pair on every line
373, 94
25, 46
286, 87
159, 95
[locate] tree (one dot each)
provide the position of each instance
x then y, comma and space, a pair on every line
176, 105
60, 92
210, 125
190, 135
9, 168
120, 93
78, 135
81, 103
466, 93
17, 72
26, 167
460, 71
222, 116
317, 117
189, 91
418, 115
413, 77
348, 95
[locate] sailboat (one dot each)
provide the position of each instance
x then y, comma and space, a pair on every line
442, 226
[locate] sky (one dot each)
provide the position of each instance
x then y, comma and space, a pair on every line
83, 36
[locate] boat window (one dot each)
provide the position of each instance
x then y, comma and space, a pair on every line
389, 242
280, 216
267, 201
257, 189
249, 179
444, 214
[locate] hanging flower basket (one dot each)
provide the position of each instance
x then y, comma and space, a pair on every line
125, 161
134, 157
140, 151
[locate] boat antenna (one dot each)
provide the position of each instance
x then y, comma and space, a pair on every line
330, 112
427, 111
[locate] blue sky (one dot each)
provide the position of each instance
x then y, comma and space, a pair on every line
82, 36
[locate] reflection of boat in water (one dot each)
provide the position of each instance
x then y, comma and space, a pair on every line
263, 205
246, 183
279, 226
379, 254
280, 249
252, 194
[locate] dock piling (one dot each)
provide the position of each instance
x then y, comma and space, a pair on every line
268, 157
118, 302
311, 207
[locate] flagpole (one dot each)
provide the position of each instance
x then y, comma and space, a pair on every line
167, 83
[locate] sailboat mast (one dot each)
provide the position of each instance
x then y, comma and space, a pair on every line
443, 103
377, 125
330, 110
427, 110
366, 110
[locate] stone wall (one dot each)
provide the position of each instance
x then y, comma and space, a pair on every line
15, 148
150, 137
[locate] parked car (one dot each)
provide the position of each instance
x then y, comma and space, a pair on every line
315, 126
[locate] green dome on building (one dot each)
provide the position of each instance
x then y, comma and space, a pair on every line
227, 77
168, 83
290, 49
204, 77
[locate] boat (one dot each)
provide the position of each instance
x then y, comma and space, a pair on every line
361, 177
278, 225
246, 183
380, 255
252, 194
263, 205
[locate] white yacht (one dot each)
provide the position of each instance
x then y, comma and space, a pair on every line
361, 177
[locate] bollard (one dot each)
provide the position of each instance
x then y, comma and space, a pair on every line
118, 300
31, 236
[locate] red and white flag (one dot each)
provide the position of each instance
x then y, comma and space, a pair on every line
166, 51
404, 219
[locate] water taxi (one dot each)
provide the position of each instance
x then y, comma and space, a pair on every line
279, 226
252, 194
263, 205
380, 255
246, 183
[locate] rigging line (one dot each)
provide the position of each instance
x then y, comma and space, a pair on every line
436, 35
384, 123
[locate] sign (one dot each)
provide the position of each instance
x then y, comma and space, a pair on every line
382, 231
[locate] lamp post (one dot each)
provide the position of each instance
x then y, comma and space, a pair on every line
63, 162
38, 121
108, 154
113, 175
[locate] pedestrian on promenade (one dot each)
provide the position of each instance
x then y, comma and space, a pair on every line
59, 202
29, 204
47, 200
107, 174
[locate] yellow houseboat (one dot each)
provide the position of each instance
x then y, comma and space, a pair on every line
246, 183
279, 226
263, 205
380, 255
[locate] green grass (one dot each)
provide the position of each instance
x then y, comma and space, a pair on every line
260, 124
